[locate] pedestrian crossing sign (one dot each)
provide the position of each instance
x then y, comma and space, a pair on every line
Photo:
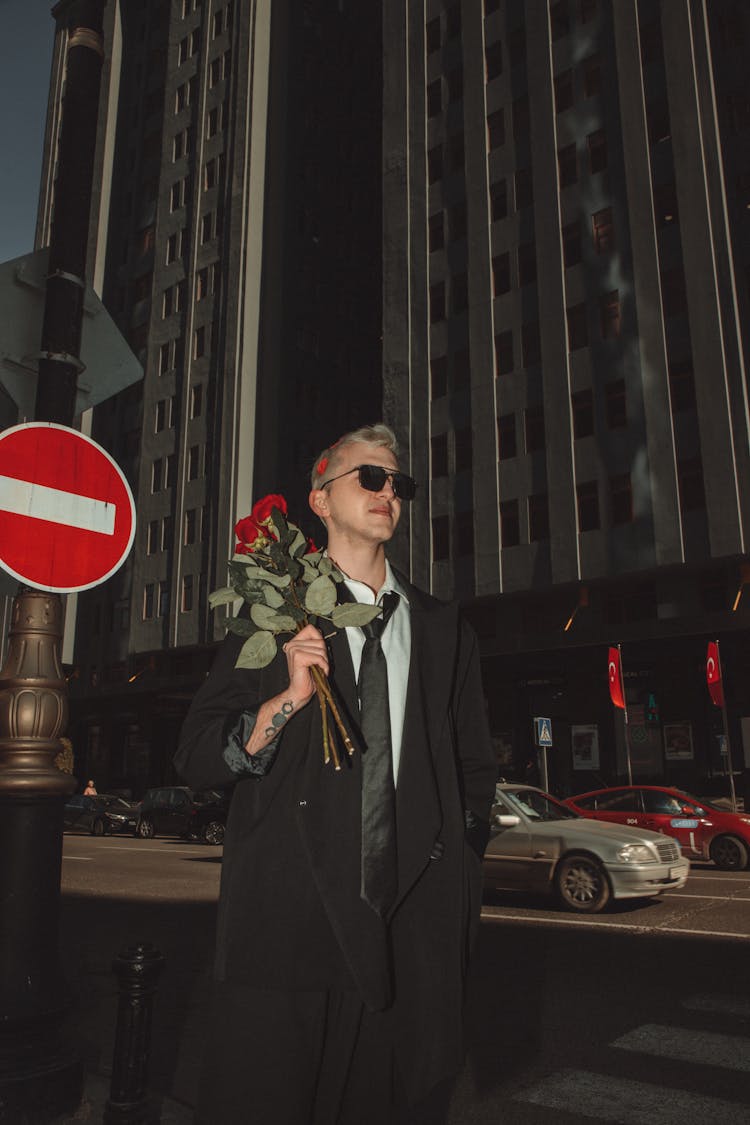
543, 732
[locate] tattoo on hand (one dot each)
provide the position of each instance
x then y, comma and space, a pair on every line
279, 719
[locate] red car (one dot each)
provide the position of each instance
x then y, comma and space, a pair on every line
702, 830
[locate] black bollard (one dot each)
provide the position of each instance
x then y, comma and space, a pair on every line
138, 969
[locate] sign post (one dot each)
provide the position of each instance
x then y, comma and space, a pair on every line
543, 731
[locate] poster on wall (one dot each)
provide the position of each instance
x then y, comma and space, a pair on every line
584, 741
678, 741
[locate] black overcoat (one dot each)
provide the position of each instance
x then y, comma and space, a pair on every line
290, 912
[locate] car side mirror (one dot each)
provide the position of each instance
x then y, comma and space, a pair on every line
505, 820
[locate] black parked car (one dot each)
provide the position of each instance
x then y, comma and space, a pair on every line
176, 810
100, 815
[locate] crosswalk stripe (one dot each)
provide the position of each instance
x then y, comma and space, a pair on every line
712, 1002
608, 1098
731, 1052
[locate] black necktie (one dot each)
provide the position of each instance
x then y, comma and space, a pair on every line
379, 863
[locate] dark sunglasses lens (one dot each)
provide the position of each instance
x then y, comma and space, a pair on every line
405, 487
373, 478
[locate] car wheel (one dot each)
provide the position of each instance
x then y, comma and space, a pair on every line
213, 833
145, 829
97, 828
729, 853
582, 884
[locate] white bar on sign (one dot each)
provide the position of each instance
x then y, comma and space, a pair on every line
39, 502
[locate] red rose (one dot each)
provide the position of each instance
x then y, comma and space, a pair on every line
311, 548
261, 512
249, 535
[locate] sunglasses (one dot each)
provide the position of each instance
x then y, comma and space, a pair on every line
373, 478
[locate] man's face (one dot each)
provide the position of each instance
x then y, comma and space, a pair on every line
350, 511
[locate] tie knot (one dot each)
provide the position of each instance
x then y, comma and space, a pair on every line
376, 628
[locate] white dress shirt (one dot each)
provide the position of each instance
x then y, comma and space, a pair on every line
396, 642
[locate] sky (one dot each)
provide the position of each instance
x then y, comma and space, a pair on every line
26, 39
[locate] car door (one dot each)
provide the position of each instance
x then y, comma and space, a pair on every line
508, 855
180, 810
159, 812
665, 813
620, 806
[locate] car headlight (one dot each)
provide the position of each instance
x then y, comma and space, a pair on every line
636, 853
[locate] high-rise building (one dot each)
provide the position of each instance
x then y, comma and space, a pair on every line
236, 240
566, 314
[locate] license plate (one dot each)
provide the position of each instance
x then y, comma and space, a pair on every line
674, 873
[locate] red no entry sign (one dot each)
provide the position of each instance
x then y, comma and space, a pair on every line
67, 517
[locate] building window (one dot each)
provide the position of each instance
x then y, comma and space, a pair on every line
207, 225
434, 98
190, 524
616, 404
563, 91
435, 164
493, 60
621, 498
501, 274
432, 35
157, 468
163, 610
526, 263
199, 342
506, 437
538, 517
597, 146
148, 601
592, 76
571, 243
567, 165
531, 351
436, 231
504, 352
587, 496
559, 19
165, 357
463, 450
582, 403
166, 533
498, 200
534, 428
209, 175
510, 527
578, 335
690, 477
603, 231
160, 419
673, 294
609, 311
495, 129
196, 400
438, 376
172, 249
181, 144
437, 302
186, 599
439, 452
152, 538
524, 188
681, 387
457, 221
464, 534
194, 461
440, 538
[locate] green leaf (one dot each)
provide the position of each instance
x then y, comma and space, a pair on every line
279, 522
267, 618
309, 573
351, 613
271, 596
313, 558
241, 626
278, 580
257, 651
321, 596
223, 596
325, 566
297, 545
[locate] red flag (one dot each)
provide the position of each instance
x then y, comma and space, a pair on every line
615, 678
713, 674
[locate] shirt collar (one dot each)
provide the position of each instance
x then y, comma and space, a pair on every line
362, 591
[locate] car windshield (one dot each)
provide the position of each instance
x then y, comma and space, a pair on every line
537, 805
701, 804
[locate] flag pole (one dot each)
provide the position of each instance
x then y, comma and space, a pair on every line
625, 716
732, 793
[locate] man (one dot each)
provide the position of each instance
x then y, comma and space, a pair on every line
336, 1004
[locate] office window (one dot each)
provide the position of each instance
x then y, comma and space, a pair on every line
673, 293
199, 342
524, 188
603, 229
571, 243
186, 599
440, 538
538, 517
621, 498
690, 477
461, 369
457, 221
163, 610
160, 419
439, 376
177, 195
459, 293
493, 60
432, 35
501, 274
165, 357
665, 205
563, 91
193, 462
181, 144
578, 335
559, 19
587, 496
592, 76
681, 386
510, 527
615, 402
439, 454
609, 312
530, 344
434, 164
437, 302
463, 450
215, 71
526, 263
504, 352
166, 533
209, 174
172, 249
196, 400
152, 537
454, 80
495, 129
567, 165
189, 526
506, 437
436, 231
148, 601
201, 284
498, 200
582, 403
434, 98
157, 468
597, 146
464, 534
534, 428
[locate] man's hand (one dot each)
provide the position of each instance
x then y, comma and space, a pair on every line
305, 650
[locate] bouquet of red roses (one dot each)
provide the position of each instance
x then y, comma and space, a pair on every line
287, 583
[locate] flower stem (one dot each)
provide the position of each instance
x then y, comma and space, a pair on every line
323, 687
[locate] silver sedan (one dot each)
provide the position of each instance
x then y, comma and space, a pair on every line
536, 845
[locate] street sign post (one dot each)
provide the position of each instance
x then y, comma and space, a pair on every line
543, 729
67, 516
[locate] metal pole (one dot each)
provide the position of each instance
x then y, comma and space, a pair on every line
625, 717
733, 795
138, 969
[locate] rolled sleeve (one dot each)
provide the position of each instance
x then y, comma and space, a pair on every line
236, 734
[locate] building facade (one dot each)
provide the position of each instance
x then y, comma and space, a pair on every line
566, 314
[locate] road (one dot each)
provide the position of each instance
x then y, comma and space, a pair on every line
640, 1014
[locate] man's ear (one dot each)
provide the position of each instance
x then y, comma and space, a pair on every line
318, 502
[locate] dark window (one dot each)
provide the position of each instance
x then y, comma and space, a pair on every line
501, 273
439, 450
538, 517
520, 118
435, 164
189, 531
463, 446
498, 200
434, 98
673, 295
440, 538
567, 165
524, 188
457, 221
148, 601
459, 292
657, 119
609, 311
603, 230
186, 603
526, 263
437, 302
493, 60
152, 541
506, 437
437, 238
592, 76
439, 376
665, 205
432, 35
682, 386
504, 353
615, 401
495, 129
582, 403
564, 91
597, 146
534, 428
461, 369
587, 495
571, 243
510, 528
690, 477
530, 343
464, 534
156, 475
453, 21
517, 45
455, 82
559, 19
578, 333
621, 498
163, 599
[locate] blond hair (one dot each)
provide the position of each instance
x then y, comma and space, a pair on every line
376, 435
